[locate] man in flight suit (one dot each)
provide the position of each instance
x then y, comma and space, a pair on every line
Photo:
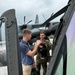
43, 53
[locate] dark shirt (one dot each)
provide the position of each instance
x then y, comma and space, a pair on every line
24, 48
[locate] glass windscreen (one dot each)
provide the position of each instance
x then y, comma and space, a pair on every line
3, 55
70, 51
71, 47
60, 68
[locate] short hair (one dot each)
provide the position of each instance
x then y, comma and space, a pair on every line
26, 31
42, 32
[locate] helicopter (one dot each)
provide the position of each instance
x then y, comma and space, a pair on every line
63, 49
37, 24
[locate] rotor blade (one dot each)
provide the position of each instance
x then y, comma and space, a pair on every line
56, 14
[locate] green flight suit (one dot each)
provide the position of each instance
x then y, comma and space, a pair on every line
43, 57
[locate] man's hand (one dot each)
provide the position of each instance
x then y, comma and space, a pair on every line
38, 42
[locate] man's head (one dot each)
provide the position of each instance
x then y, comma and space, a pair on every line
26, 34
42, 35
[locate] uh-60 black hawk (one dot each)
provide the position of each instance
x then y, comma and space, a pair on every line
63, 60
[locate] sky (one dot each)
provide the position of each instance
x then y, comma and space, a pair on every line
30, 8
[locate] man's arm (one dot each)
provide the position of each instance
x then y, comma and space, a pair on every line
33, 52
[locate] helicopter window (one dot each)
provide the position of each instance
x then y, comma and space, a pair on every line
67, 67
3, 59
71, 47
60, 68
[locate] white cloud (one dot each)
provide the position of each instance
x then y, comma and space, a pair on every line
30, 8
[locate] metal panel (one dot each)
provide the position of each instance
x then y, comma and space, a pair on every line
12, 44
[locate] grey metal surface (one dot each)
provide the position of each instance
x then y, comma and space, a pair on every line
12, 45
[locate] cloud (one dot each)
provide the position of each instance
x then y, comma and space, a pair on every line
30, 8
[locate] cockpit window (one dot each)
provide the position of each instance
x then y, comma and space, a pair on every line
71, 47
67, 63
